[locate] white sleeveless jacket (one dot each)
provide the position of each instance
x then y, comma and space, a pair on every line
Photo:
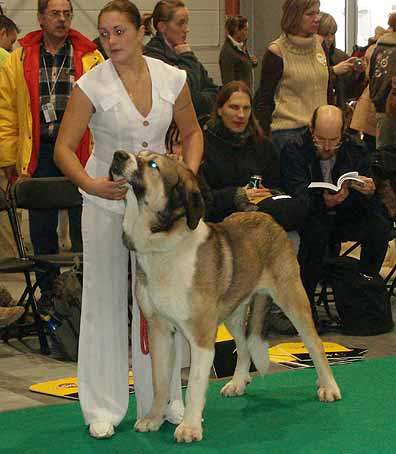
118, 125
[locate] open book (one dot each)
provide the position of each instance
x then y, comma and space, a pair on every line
349, 176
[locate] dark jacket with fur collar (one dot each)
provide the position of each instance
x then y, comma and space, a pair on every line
203, 89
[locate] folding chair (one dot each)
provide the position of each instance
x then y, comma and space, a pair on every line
25, 266
44, 194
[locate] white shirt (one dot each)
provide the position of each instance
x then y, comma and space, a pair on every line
118, 125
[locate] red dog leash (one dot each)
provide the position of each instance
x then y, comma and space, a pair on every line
144, 343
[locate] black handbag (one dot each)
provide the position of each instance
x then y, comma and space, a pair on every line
362, 301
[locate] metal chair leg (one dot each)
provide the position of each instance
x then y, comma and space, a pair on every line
44, 347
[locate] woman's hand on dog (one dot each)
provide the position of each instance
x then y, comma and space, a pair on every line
107, 189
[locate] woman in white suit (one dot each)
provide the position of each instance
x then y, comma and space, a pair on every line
128, 103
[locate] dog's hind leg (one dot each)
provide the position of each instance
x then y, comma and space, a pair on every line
250, 343
256, 333
292, 299
162, 351
236, 325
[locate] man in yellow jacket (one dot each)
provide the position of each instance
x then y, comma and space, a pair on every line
8, 36
9, 312
35, 84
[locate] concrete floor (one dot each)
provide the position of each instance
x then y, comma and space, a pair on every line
21, 364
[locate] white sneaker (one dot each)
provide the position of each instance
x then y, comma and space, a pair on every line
175, 412
101, 430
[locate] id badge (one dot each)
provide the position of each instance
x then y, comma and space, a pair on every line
49, 112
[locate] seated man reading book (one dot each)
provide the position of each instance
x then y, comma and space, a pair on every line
323, 154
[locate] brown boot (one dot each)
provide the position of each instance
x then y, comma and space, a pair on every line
9, 315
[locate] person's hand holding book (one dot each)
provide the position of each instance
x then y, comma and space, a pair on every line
333, 199
368, 188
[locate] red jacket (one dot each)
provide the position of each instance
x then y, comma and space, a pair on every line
83, 49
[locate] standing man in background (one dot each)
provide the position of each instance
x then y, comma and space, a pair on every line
35, 85
235, 61
9, 313
8, 36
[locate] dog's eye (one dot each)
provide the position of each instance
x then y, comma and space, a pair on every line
153, 164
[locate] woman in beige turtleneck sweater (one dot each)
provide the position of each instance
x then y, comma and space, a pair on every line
295, 73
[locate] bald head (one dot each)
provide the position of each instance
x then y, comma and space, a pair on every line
328, 117
326, 129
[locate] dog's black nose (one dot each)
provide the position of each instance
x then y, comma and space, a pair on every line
120, 156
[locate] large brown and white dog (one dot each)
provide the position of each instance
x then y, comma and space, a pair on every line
193, 276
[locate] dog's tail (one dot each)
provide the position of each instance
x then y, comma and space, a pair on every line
257, 330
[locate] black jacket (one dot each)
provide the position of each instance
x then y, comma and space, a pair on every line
343, 88
203, 89
235, 64
228, 163
300, 166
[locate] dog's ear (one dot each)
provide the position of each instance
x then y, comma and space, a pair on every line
191, 197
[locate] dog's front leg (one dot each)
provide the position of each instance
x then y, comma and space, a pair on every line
162, 352
190, 428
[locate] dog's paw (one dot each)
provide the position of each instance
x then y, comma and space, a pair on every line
234, 388
187, 434
148, 424
329, 393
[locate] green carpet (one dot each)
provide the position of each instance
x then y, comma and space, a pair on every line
279, 414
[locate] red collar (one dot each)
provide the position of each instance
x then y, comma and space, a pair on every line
79, 42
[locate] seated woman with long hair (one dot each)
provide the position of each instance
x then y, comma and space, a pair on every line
235, 150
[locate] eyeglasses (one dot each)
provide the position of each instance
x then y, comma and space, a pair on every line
56, 14
332, 144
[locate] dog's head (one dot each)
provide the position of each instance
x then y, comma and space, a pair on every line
163, 186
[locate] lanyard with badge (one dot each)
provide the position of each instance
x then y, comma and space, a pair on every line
49, 108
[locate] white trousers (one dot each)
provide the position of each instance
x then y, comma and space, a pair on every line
103, 349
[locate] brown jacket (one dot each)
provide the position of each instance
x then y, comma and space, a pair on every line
363, 118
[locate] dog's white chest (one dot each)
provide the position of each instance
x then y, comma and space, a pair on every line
168, 283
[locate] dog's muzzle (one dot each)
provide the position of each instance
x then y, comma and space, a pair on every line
117, 168
126, 165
